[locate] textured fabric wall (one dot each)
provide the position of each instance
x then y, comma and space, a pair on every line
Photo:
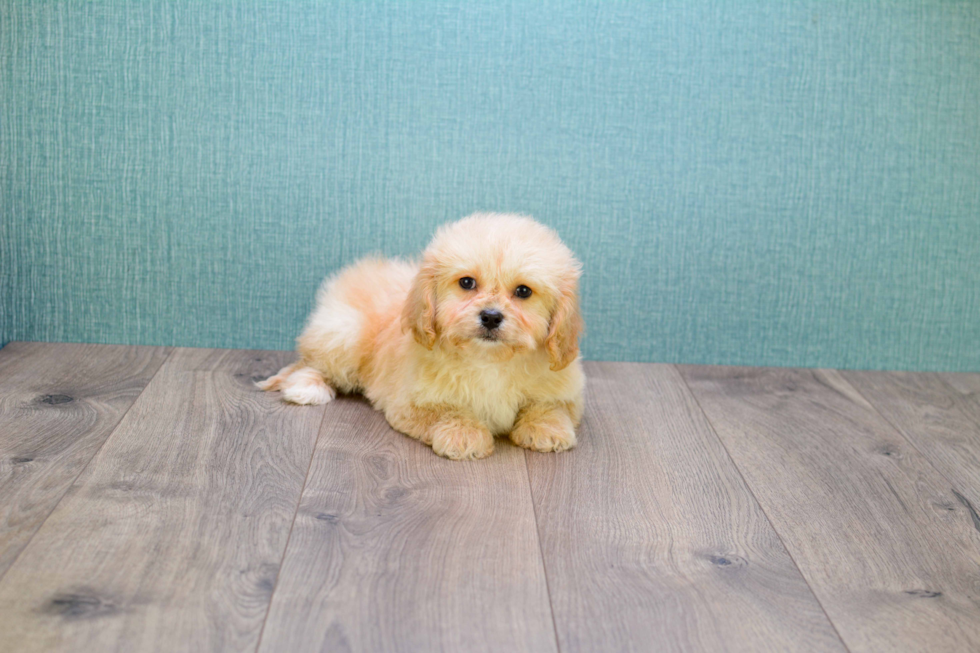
778, 183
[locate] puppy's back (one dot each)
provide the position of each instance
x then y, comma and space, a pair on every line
353, 307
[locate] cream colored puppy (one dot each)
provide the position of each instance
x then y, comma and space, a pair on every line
480, 340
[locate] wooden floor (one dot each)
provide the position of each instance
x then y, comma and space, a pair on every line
151, 499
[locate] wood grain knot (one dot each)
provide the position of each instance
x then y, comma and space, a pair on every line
393, 494
263, 576
890, 451
80, 605
380, 464
21, 460
327, 517
727, 561
54, 400
923, 594
974, 515
121, 486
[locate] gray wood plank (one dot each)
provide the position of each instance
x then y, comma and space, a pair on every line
968, 387
397, 549
939, 420
651, 539
172, 537
58, 404
875, 529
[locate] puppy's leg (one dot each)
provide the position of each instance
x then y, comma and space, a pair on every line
546, 426
306, 386
449, 432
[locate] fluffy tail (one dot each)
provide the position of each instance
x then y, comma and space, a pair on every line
300, 385
275, 382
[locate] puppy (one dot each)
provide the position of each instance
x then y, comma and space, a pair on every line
480, 340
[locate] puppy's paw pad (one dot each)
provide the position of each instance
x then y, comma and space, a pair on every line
544, 437
462, 444
309, 394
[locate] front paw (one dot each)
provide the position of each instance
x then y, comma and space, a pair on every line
552, 432
461, 442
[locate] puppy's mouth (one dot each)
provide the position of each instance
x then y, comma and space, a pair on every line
487, 335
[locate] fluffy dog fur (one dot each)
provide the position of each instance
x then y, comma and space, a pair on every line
410, 338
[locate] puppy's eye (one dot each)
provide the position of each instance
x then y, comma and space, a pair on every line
467, 283
523, 292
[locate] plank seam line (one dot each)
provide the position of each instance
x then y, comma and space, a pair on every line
544, 567
285, 549
95, 454
902, 435
775, 530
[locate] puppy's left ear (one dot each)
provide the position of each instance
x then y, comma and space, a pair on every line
566, 326
419, 314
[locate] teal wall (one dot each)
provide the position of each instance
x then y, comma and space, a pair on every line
765, 183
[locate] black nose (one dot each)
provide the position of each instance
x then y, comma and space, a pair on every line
491, 318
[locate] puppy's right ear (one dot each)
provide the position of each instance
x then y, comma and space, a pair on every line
419, 315
566, 325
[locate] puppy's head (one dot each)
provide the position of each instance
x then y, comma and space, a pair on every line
497, 284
